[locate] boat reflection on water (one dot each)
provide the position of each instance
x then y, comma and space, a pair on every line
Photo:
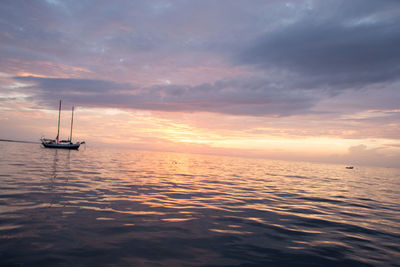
59, 178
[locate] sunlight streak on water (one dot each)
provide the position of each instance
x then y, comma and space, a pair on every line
146, 208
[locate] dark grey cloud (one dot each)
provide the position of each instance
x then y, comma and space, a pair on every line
32, 30
339, 41
76, 32
284, 48
74, 86
239, 97
336, 43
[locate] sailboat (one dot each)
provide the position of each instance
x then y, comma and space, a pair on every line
56, 143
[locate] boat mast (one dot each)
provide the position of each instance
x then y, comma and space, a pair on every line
59, 115
72, 122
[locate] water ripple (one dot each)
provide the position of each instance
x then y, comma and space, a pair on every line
111, 207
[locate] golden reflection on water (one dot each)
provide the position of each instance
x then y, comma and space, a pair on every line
191, 183
108, 193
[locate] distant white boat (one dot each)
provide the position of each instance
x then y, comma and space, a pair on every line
56, 143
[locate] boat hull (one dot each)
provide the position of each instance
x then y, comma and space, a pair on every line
62, 146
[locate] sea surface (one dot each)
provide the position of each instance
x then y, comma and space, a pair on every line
109, 207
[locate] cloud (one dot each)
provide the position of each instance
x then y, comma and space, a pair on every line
239, 97
334, 44
316, 44
270, 58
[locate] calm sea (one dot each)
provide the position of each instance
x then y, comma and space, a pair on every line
111, 207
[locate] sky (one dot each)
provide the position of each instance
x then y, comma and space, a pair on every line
304, 80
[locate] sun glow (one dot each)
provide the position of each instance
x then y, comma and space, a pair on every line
160, 131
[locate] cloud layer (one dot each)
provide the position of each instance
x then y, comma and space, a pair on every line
225, 57
242, 97
335, 44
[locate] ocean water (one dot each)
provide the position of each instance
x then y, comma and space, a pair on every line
109, 207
